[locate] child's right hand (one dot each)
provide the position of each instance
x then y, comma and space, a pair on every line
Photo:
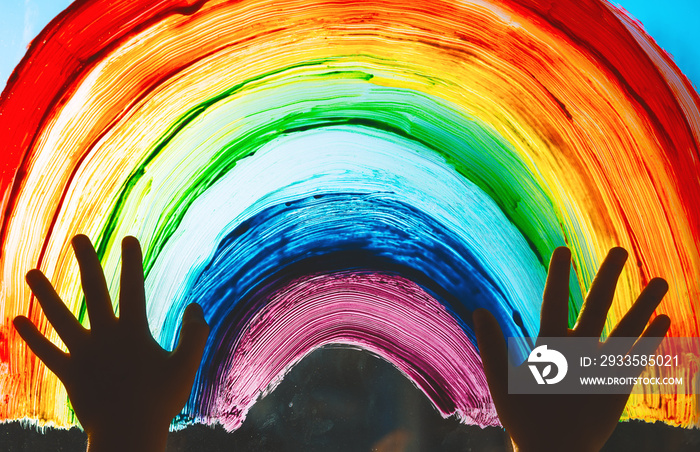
575, 423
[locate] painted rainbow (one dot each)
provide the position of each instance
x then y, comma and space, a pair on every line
365, 173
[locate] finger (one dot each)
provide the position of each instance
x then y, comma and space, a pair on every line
634, 321
594, 311
58, 314
48, 353
658, 327
494, 354
650, 340
554, 315
193, 337
92, 277
132, 296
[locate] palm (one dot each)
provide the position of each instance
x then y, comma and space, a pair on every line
581, 422
121, 372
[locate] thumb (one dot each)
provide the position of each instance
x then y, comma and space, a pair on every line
193, 337
494, 354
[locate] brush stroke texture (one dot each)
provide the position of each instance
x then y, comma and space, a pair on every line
264, 152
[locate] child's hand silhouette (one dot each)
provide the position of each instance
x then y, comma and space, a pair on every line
573, 423
125, 389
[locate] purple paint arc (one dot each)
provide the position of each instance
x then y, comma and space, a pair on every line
387, 315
